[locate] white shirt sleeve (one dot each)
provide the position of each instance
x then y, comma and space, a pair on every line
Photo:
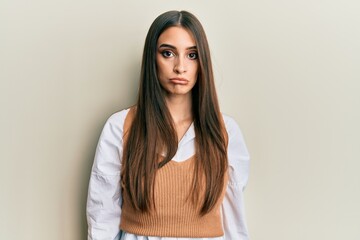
104, 200
233, 211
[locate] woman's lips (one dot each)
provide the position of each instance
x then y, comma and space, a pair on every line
181, 81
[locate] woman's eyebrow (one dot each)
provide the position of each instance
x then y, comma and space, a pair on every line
173, 47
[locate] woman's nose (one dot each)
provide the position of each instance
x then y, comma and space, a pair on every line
179, 66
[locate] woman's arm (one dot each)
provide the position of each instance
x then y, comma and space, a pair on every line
104, 196
233, 211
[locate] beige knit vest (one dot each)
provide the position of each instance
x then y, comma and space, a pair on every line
175, 215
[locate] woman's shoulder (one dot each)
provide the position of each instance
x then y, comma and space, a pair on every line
115, 123
235, 134
118, 116
230, 124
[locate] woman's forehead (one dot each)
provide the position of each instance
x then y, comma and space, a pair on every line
177, 37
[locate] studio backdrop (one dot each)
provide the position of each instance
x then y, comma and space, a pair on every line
286, 71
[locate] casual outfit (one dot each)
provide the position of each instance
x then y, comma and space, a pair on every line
176, 217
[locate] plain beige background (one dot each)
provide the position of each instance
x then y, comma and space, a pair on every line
287, 71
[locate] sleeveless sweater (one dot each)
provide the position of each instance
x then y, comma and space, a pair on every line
175, 215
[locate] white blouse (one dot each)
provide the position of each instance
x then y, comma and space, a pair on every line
104, 197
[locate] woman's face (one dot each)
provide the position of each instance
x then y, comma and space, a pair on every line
177, 61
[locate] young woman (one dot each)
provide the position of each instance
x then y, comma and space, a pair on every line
172, 166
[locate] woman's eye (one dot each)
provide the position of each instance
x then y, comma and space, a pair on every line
167, 54
193, 55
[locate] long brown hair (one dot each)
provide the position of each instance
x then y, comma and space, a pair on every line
153, 129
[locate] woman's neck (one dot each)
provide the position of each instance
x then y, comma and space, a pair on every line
180, 107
